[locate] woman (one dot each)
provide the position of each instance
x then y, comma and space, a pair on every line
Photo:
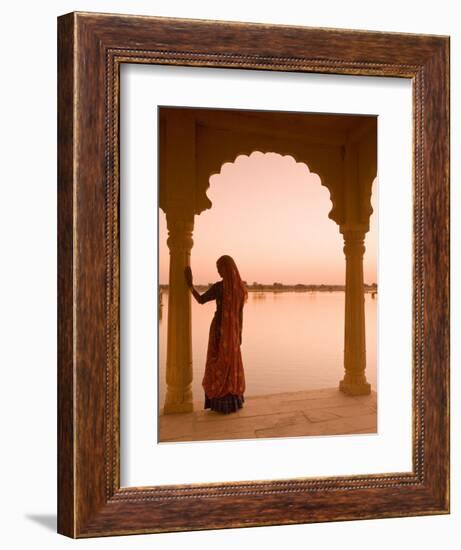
224, 379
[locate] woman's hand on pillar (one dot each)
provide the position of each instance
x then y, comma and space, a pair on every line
188, 276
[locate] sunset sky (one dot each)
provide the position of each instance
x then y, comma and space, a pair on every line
271, 215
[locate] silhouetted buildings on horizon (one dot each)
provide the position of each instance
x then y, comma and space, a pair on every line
280, 287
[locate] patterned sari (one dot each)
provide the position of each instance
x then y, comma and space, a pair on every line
224, 379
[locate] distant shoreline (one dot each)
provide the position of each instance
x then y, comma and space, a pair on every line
279, 287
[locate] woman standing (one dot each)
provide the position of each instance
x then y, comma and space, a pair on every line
224, 379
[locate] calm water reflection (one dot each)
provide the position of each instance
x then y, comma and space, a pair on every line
291, 341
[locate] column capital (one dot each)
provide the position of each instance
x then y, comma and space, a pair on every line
353, 231
180, 238
354, 243
180, 230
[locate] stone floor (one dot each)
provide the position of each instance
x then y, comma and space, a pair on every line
302, 413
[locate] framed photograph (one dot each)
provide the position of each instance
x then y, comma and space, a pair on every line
253, 321
303, 325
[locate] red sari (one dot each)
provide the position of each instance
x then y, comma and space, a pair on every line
224, 378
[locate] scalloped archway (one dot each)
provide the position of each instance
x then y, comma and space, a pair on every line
256, 193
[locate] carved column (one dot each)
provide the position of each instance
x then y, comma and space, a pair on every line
179, 342
354, 381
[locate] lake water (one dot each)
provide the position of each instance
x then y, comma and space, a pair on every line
291, 341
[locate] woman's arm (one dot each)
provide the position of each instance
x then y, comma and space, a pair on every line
200, 298
190, 284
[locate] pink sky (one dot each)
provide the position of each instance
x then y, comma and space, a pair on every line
271, 215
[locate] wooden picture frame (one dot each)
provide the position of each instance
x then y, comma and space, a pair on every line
91, 48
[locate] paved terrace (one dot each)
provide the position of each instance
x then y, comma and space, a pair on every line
302, 413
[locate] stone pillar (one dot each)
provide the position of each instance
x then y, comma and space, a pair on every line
179, 340
354, 381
